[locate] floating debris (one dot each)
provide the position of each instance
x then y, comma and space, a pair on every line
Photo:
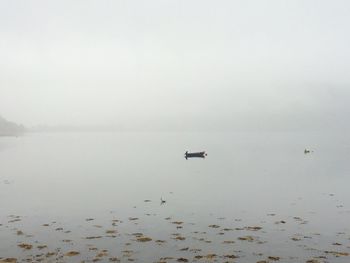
280, 222
195, 155
306, 151
14, 220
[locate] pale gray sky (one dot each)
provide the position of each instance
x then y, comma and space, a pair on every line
176, 64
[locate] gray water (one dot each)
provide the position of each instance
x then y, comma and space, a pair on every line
247, 179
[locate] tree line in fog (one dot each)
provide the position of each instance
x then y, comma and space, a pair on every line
8, 128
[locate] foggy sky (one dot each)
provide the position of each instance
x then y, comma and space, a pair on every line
184, 64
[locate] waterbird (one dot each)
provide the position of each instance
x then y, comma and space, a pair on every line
162, 201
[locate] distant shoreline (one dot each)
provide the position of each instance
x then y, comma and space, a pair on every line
11, 135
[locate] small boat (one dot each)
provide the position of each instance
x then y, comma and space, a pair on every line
195, 155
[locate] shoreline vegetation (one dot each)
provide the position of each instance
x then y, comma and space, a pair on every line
8, 128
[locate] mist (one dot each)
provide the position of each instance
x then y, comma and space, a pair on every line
176, 65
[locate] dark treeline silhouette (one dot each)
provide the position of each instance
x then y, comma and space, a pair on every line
8, 128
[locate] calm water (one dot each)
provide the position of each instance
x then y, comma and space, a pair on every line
247, 179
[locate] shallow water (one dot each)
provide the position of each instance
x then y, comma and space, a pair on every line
300, 201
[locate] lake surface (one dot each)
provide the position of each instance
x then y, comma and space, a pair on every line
253, 197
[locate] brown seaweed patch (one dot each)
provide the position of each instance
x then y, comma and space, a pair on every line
166, 258
210, 256
102, 253
40, 247
274, 258
143, 239
247, 238
72, 253
230, 256
50, 254
253, 228
179, 238
228, 242
8, 260
25, 246
337, 254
